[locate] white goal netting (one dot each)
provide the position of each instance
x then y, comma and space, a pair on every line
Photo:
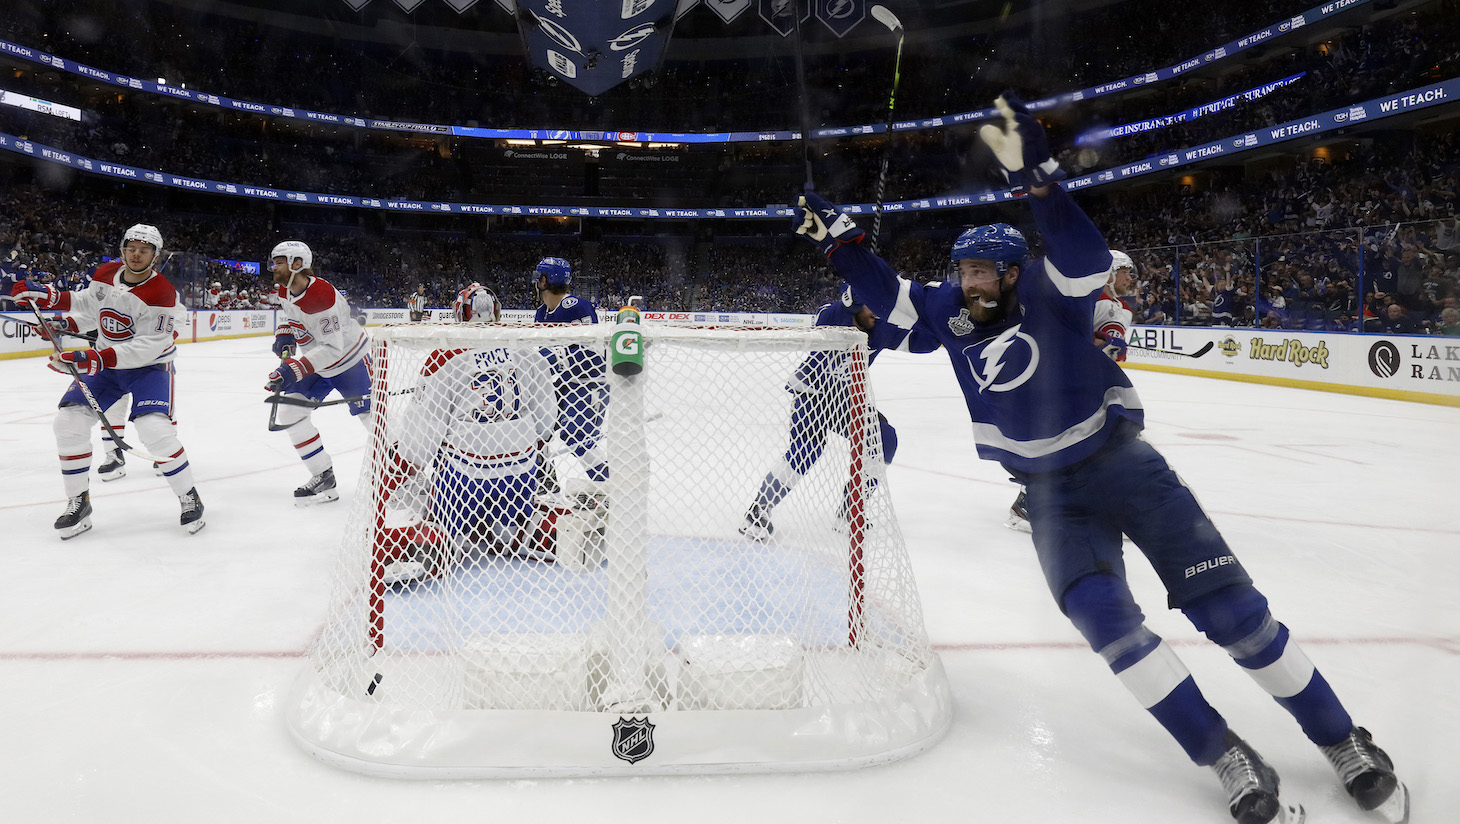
551, 569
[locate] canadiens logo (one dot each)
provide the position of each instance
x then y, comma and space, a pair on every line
633, 739
114, 325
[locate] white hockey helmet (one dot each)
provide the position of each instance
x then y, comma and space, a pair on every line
146, 234
1121, 260
292, 250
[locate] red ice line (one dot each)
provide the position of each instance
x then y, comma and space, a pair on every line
1449, 646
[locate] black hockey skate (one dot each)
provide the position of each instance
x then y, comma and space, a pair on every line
319, 490
1252, 786
1368, 776
77, 517
1019, 514
547, 474
844, 513
115, 466
757, 526
192, 511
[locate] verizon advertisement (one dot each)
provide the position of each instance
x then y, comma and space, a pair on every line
1422, 368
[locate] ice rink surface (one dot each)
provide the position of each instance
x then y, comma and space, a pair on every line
143, 671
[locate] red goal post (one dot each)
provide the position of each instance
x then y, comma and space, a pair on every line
491, 626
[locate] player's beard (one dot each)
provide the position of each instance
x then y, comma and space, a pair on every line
979, 308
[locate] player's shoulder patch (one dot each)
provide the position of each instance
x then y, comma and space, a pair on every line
319, 296
107, 272
568, 302
156, 291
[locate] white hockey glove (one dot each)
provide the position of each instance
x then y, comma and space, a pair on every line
1020, 146
824, 224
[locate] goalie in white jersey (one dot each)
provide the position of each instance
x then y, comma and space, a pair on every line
131, 306
323, 350
478, 419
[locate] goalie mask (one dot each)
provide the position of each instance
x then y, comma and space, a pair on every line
291, 251
146, 234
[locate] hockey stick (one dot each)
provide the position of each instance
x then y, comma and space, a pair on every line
277, 399
89, 337
312, 404
795, 6
885, 16
90, 398
1206, 347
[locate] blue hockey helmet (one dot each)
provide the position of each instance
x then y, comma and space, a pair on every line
850, 300
998, 242
557, 271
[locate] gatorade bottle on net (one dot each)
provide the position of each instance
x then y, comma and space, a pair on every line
626, 356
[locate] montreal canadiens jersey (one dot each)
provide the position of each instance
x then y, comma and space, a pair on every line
483, 410
134, 323
328, 337
576, 364
1112, 319
1040, 396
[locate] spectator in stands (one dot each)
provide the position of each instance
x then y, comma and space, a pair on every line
1396, 321
1449, 322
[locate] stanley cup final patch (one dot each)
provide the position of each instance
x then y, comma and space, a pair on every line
633, 739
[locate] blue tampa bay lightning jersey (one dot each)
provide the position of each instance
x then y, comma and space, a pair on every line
1041, 397
819, 369
576, 364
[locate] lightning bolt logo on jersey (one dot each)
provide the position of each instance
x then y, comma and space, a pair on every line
998, 367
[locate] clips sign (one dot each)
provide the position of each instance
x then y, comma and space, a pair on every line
595, 45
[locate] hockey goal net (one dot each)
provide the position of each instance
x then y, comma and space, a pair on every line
548, 568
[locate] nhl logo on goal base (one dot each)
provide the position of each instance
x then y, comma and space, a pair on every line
633, 739
632, 596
